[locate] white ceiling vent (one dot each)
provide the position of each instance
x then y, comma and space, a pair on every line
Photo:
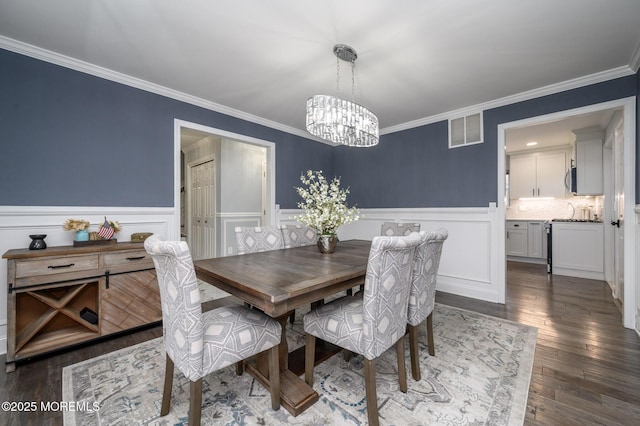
465, 130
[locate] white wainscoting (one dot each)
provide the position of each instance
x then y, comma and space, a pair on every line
635, 293
469, 263
17, 223
228, 223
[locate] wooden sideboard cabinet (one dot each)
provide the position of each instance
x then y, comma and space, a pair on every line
62, 296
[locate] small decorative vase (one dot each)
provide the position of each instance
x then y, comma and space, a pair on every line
82, 235
327, 243
37, 242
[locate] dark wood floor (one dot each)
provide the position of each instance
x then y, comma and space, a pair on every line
586, 368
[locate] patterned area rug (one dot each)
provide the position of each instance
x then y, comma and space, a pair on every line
479, 376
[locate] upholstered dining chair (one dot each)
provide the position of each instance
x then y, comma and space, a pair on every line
371, 324
391, 229
422, 298
298, 236
259, 238
200, 343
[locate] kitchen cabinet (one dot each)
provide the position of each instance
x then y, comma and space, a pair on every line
539, 174
578, 249
526, 239
517, 244
588, 156
535, 239
62, 296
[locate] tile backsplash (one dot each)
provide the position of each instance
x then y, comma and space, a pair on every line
557, 208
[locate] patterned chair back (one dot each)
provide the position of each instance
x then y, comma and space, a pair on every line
386, 292
180, 299
397, 229
423, 282
298, 236
259, 238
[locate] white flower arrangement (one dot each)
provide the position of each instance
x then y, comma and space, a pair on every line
324, 204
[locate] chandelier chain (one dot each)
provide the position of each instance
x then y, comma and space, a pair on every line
353, 81
337, 76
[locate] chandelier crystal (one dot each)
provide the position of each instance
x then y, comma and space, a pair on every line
338, 120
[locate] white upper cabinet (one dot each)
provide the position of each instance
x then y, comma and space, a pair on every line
588, 155
539, 174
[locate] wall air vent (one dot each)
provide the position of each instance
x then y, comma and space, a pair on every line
465, 130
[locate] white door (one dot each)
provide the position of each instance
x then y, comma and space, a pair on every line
202, 235
618, 211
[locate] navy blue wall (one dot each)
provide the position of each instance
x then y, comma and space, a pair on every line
415, 168
62, 131
72, 139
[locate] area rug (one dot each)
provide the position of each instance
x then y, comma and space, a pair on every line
479, 376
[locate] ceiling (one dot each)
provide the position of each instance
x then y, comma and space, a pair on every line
260, 60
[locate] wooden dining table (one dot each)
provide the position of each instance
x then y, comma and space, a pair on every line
279, 281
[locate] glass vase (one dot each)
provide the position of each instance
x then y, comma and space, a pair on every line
82, 235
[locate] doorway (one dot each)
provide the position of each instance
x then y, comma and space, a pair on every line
225, 172
627, 132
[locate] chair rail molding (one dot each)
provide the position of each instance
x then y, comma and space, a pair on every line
18, 222
469, 256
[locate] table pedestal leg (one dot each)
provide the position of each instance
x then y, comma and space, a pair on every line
296, 395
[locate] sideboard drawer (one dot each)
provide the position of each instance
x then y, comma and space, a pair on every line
56, 265
138, 258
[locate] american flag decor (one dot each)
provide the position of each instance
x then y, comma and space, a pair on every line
106, 231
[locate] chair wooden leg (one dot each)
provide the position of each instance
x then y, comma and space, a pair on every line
240, 368
168, 385
309, 358
346, 354
370, 385
432, 347
195, 402
402, 368
274, 377
414, 351
292, 317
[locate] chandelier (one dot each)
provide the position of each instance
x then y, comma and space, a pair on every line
338, 120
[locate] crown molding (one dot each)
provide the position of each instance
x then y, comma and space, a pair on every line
95, 70
575, 83
634, 61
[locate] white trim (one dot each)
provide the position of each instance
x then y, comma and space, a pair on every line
575, 83
634, 60
467, 267
98, 71
271, 168
239, 214
631, 251
18, 222
88, 68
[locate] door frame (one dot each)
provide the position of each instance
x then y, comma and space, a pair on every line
630, 252
270, 201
